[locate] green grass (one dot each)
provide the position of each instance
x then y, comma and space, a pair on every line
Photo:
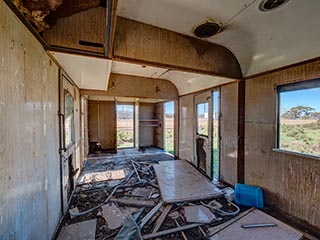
169, 140
125, 138
302, 138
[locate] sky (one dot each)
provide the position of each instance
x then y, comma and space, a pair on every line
169, 107
308, 97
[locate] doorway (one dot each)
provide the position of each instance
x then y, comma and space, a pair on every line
207, 133
169, 127
125, 126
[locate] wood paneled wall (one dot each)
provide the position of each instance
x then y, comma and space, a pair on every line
291, 183
145, 43
137, 87
187, 128
228, 129
29, 137
147, 133
229, 133
106, 112
160, 129
88, 26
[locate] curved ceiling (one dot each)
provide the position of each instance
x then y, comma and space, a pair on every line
261, 41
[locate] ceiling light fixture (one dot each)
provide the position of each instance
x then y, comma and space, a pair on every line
207, 28
269, 5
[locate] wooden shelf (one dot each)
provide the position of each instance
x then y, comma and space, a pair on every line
149, 120
149, 125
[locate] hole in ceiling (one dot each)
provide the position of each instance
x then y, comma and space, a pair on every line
207, 29
268, 5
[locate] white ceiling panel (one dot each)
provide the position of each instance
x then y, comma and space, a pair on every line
261, 41
137, 70
191, 82
87, 72
185, 82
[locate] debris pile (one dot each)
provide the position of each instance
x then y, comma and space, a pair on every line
129, 205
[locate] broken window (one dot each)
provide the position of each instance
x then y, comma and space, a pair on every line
299, 117
68, 122
203, 119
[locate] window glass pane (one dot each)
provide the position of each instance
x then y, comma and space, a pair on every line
215, 135
202, 119
299, 120
68, 123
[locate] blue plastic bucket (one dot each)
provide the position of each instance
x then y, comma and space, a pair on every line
249, 196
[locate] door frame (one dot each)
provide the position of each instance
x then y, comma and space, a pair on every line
65, 152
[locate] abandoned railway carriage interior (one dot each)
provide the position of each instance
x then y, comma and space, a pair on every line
148, 119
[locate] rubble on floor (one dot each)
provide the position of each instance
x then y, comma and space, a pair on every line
134, 208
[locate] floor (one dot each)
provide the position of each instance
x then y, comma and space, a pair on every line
118, 197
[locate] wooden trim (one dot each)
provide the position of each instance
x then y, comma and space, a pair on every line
112, 27
241, 131
26, 23
75, 52
282, 68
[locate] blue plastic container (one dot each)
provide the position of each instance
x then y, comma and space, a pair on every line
249, 196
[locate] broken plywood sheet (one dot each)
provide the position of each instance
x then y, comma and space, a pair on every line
101, 176
234, 231
113, 216
81, 231
179, 181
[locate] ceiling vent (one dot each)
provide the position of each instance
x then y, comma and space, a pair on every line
206, 29
269, 5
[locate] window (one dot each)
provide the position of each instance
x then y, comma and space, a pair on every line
68, 122
299, 117
203, 119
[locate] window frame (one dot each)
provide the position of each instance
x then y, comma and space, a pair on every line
290, 87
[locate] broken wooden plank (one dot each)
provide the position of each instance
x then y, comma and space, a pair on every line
214, 230
134, 202
280, 232
182, 232
81, 231
113, 216
179, 182
150, 215
89, 177
161, 218
172, 230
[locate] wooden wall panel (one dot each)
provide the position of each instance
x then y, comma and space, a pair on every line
187, 128
29, 136
142, 42
160, 128
147, 134
108, 125
89, 26
291, 183
137, 87
107, 116
229, 133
